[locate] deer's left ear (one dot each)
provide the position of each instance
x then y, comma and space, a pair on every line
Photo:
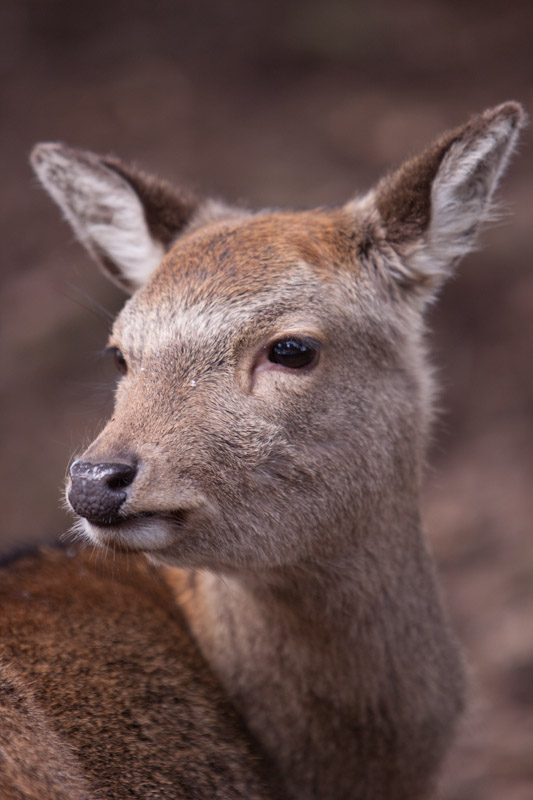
430, 210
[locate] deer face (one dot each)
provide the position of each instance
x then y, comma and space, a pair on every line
273, 396
251, 414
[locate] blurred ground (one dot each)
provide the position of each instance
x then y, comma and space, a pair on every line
289, 103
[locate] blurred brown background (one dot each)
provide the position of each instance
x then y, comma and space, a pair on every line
288, 103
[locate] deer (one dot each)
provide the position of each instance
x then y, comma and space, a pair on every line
271, 625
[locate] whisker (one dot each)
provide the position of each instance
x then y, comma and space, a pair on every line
77, 295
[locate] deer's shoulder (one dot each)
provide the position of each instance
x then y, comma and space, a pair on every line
96, 660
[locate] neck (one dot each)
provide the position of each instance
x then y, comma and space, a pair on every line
344, 669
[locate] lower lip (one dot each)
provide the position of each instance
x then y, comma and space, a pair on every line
175, 517
117, 523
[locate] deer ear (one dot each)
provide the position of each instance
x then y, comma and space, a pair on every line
431, 209
126, 219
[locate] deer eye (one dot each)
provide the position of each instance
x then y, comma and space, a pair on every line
293, 353
120, 362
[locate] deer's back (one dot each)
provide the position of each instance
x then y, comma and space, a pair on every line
103, 692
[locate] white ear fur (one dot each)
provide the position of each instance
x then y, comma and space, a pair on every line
103, 209
461, 195
431, 209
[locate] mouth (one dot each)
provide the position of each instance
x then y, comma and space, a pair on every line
145, 531
102, 521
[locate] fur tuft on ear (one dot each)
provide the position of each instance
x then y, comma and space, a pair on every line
431, 209
126, 219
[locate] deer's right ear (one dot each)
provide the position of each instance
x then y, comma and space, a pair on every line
126, 219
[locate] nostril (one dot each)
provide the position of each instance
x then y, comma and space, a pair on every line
121, 476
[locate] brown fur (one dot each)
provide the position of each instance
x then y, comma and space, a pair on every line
89, 712
280, 505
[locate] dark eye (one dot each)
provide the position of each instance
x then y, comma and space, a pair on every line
120, 361
293, 353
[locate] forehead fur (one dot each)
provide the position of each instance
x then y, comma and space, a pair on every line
243, 258
265, 270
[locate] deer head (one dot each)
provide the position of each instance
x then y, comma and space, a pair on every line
274, 398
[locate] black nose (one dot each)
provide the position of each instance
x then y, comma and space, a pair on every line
97, 490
